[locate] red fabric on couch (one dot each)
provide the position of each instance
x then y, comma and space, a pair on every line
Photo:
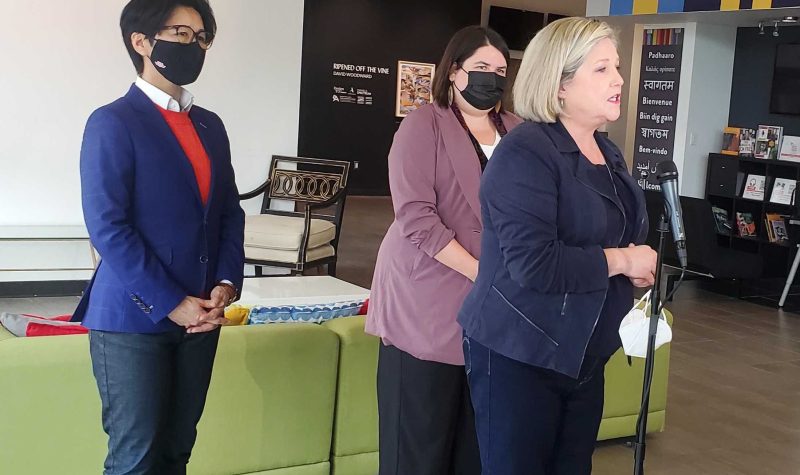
33, 325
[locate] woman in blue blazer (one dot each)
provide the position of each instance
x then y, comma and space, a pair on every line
161, 206
563, 227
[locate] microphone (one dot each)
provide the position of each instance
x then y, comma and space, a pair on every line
667, 175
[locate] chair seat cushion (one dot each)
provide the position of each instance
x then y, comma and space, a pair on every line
267, 231
252, 253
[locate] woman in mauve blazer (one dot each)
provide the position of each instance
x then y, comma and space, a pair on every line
429, 259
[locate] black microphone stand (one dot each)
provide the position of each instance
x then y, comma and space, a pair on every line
641, 429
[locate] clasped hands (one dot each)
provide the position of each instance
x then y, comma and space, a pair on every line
198, 315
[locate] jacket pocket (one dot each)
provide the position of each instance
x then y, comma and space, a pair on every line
523, 316
164, 254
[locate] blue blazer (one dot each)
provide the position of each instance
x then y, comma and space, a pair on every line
158, 243
543, 277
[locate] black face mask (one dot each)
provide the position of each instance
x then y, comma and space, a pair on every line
484, 89
179, 63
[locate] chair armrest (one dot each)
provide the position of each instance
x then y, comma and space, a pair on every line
252, 194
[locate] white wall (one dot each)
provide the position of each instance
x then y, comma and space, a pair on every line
709, 103
629, 66
704, 97
62, 59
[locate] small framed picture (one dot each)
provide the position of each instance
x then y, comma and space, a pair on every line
414, 81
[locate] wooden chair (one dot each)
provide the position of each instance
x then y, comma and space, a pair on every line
307, 236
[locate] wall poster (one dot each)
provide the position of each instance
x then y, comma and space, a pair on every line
414, 82
659, 82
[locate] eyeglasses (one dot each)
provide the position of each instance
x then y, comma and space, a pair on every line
186, 35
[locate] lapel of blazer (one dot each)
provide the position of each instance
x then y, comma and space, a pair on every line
157, 127
564, 143
204, 133
462, 156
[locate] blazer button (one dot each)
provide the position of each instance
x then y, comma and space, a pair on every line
203, 259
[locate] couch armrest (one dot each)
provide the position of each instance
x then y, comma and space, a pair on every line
5, 334
356, 425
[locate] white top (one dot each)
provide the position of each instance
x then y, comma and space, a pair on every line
304, 290
488, 150
164, 100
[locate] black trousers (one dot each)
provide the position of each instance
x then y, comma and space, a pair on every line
533, 421
153, 389
426, 421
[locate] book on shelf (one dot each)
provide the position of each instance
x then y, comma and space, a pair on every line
722, 221
768, 141
768, 228
745, 224
776, 227
780, 232
790, 149
730, 141
747, 142
783, 191
754, 187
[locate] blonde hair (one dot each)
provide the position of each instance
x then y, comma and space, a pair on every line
551, 58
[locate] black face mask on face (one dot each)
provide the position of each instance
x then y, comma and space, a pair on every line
179, 63
484, 89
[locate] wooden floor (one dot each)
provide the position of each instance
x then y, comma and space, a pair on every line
733, 405
734, 389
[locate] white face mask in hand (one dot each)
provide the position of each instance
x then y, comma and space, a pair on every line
635, 327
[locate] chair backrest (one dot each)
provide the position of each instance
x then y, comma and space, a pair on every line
305, 180
698, 222
308, 181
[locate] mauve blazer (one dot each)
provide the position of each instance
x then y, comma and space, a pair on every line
434, 176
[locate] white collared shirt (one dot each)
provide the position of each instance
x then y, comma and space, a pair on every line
164, 100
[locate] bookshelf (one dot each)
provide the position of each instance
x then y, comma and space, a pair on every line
725, 183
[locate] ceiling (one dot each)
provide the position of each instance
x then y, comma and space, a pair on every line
740, 18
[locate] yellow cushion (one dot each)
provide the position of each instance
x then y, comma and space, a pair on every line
237, 315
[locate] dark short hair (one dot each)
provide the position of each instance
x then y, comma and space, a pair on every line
461, 46
148, 17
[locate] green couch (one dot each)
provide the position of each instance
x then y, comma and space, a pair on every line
269, 411
294, 399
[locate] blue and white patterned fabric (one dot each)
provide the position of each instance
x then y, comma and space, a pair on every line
304, 313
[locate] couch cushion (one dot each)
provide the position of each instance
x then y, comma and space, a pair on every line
359, 464
276, 255
270, 404
271, 400
623, 393
315, 469
285, 233
50, 422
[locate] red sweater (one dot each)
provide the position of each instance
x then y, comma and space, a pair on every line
184, 131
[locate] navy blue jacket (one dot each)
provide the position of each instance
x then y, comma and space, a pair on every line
543, 277
157, 241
